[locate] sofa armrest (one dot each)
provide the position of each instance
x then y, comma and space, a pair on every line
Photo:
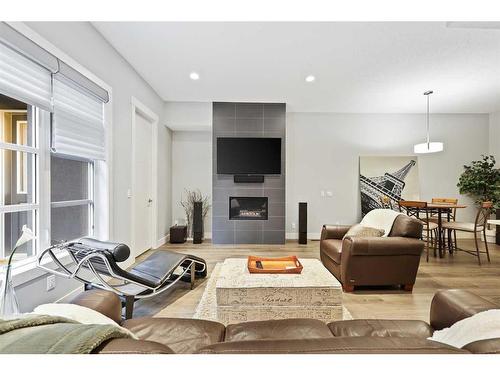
450, 306
103, 301
334, 232
370, 246
131, 346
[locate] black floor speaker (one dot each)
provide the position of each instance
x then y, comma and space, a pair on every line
303, 223
197, 222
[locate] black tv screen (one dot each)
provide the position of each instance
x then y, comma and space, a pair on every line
249, 155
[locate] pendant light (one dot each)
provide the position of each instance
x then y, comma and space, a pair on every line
428, 147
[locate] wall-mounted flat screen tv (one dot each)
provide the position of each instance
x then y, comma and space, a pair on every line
249, 156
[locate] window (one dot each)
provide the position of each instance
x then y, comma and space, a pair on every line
51, 194
53, 148
71, 199
19, 158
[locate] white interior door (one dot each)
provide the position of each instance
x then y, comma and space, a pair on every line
143, 201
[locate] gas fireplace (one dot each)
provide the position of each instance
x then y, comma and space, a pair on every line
248, 208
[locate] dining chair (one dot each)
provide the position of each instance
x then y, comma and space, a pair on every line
450, 215
478, 226
417, 209
386, 202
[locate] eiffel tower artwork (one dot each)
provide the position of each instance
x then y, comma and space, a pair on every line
383, 191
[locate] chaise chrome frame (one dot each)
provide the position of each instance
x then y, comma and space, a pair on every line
86, 263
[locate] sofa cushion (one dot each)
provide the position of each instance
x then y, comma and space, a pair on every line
180, 335
286, 329
332, 249
381, 328
359, 230
405, 226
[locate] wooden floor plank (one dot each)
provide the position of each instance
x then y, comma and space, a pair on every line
454, 271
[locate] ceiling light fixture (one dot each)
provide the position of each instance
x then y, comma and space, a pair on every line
310, 78
428, 147
194, 76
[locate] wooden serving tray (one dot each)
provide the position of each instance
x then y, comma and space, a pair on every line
274, 265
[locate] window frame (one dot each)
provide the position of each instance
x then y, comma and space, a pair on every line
21, 173
33, 207
89, 202
40, 207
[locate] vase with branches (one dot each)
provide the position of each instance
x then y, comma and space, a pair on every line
187, 202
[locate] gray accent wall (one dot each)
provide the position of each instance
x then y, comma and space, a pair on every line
248, 120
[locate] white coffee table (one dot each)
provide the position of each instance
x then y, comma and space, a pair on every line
242, 296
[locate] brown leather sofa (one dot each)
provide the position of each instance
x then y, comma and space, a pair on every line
391, 260
173, 335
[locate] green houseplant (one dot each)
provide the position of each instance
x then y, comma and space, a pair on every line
481, 181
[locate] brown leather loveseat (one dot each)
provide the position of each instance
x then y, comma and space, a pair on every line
391, 260
174, 335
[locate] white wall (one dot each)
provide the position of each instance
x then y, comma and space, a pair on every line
494, 145
82, 42
189, 116
191, 169
323, 154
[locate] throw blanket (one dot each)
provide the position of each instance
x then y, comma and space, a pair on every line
380, 219
43, 334
481, 326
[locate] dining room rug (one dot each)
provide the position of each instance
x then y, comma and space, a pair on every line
207, 307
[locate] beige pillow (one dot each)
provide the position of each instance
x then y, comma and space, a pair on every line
359, 230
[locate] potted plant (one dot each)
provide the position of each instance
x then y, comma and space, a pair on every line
187, 202
481, 181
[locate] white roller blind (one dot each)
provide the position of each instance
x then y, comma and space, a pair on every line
78, 123
23, 79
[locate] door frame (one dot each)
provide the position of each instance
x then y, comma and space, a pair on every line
141, 109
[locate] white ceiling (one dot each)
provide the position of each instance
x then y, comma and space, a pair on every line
359, 67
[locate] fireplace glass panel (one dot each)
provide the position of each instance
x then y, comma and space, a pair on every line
248, 208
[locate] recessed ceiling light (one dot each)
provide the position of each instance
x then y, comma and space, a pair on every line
310, 78
194, 76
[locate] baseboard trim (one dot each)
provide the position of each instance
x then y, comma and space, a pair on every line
162, 241
295, 236
207, 236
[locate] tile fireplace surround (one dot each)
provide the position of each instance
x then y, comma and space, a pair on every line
250, 227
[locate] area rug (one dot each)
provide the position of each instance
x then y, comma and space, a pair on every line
207, 308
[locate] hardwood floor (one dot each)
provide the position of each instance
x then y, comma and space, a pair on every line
454, 271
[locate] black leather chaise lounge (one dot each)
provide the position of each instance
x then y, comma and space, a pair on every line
95, 264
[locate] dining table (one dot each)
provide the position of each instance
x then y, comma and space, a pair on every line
440, 209
497, 223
